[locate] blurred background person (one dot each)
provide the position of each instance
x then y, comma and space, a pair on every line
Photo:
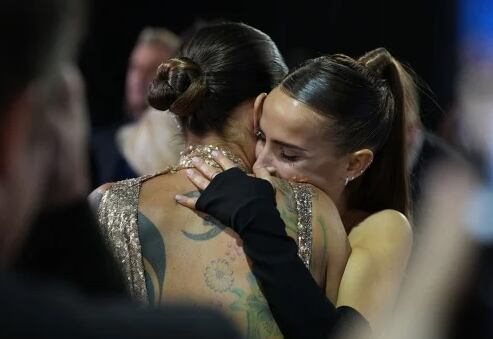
43, 171
449, 290
349, 27
150, 141
472, 312
154, 45
424, 147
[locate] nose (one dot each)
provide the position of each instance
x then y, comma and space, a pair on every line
263, 157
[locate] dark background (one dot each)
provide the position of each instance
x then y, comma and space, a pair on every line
420, 33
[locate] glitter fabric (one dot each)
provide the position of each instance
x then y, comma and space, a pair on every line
117, 215
303, 197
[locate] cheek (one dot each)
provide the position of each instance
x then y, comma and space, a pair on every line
286, 171
325, 175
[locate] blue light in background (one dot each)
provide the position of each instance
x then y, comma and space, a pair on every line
476, 25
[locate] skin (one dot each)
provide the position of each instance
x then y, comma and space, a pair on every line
294, 140
191, 257
41, 165
291, 140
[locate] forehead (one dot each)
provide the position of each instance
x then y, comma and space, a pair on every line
283, 116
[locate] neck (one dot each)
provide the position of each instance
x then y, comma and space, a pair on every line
350, 217
347, 215
235, 148
341, 203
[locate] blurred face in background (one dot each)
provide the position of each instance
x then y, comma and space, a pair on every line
43, 164
144, 60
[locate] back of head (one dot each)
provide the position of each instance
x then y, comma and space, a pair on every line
218, 68
35, 36
364, 102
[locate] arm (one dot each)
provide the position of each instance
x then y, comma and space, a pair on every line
329, 242
381, 246
299, 306
339, 249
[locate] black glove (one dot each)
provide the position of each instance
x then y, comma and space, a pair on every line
299, 306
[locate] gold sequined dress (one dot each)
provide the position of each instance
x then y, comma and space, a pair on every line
118, 217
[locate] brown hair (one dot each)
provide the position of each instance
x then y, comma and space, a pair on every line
217, 69
364, 100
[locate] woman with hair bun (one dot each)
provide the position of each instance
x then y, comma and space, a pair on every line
336, 123
171, 254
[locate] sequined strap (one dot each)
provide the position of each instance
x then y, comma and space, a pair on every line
303, 197
117, 216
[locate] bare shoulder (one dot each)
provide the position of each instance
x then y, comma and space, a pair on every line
321, 203
386, 222
332, 240
387, 228
327, 217
324, 207
95, 197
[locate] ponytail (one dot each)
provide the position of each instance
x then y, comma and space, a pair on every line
365, 103
385, 185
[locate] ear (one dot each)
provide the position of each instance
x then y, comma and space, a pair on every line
15, 123
358, 163
257, 110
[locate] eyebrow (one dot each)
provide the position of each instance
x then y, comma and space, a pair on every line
281, 143
289, 145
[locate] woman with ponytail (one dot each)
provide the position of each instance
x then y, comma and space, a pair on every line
338, 124
167, 252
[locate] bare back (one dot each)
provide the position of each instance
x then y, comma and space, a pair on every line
193, 258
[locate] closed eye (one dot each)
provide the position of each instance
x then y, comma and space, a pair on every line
289, 158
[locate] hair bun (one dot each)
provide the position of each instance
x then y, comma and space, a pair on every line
179, 86
378, 61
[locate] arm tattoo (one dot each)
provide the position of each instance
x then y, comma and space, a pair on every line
214, 227
291, 222
323, 227
154, 256
289, 213
287, 192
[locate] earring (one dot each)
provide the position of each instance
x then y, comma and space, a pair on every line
348, 179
